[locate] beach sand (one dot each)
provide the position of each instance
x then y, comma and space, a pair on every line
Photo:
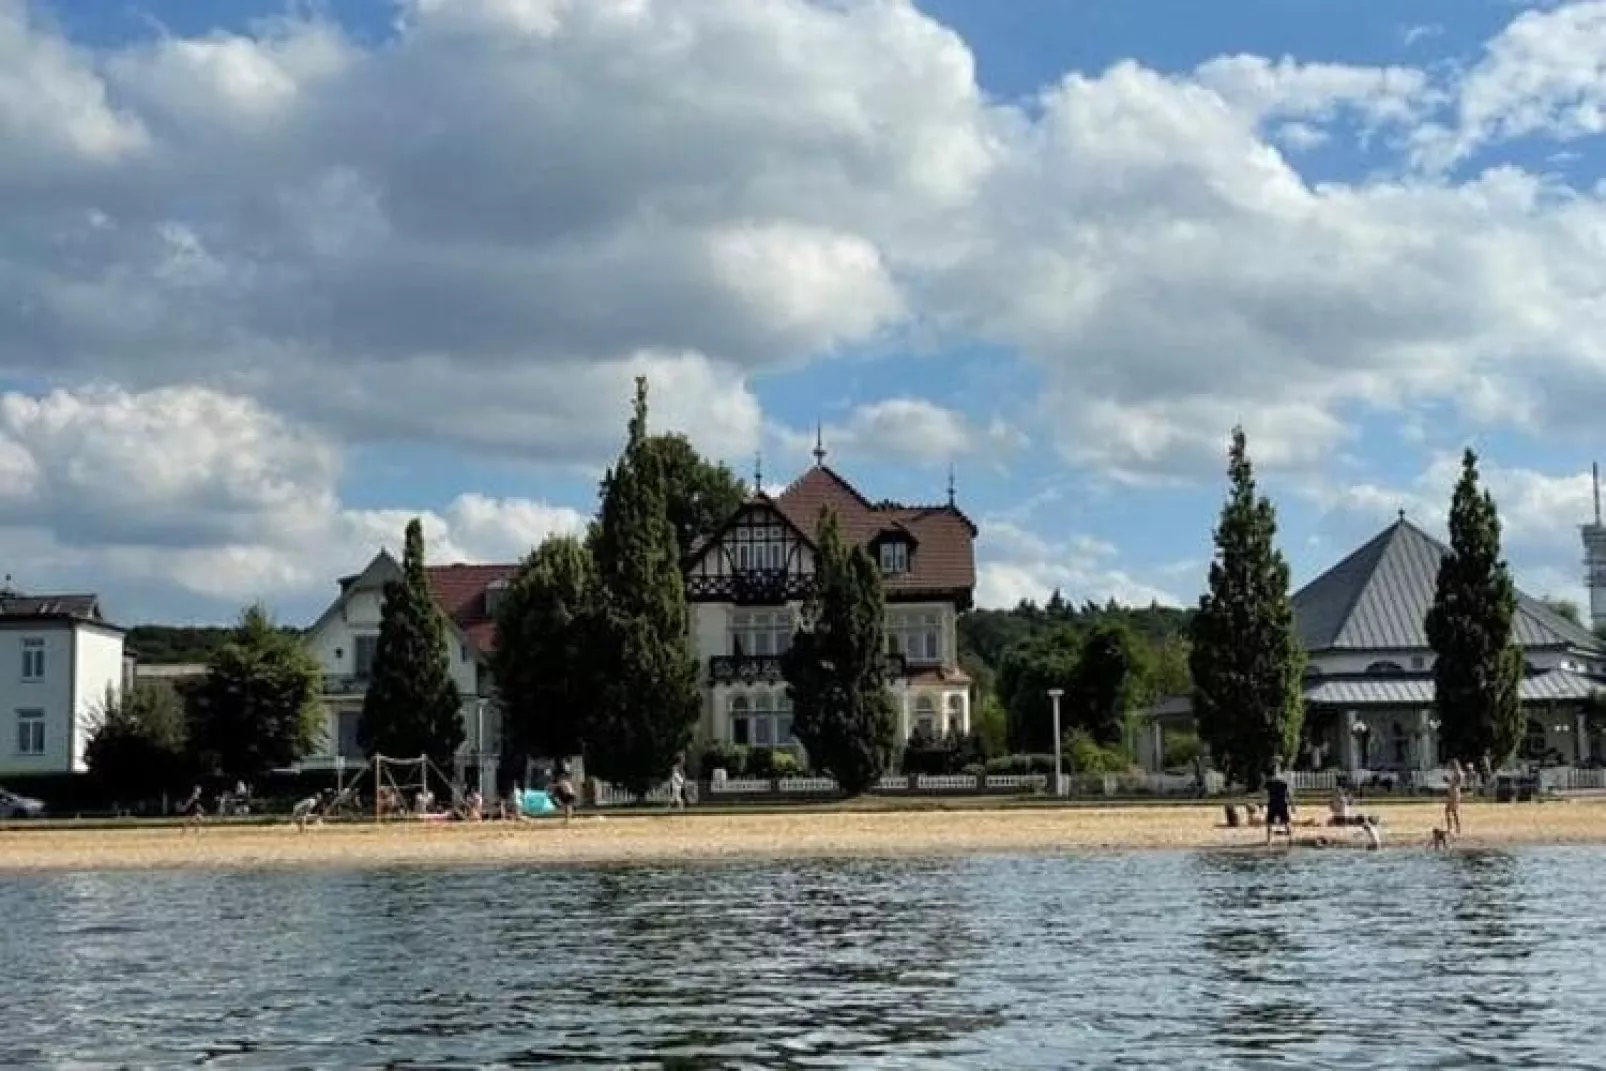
712, 835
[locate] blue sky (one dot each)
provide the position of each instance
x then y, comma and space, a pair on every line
286, 275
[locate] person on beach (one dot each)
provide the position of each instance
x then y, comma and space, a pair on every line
562, 792
1279, 805
677, 784
304, 810
192, 809
1454, 778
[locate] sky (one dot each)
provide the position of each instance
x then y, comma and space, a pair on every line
275, 278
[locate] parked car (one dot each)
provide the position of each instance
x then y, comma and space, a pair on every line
15, 806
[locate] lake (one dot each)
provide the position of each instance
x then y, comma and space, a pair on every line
1165, 960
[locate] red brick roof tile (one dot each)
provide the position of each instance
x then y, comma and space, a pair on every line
944, 556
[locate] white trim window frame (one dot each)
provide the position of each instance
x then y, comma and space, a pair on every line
30, 739
33, 659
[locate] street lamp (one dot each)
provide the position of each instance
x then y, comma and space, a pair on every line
1363, 736
1054, 695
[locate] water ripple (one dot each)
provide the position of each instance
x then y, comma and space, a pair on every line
1158, 960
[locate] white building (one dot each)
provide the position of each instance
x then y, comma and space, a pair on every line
1368, 684
59, 659
747, 581
343, 640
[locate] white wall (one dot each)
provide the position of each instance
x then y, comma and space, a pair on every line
51, 694
98, 666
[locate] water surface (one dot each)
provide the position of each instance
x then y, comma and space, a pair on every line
1342, 959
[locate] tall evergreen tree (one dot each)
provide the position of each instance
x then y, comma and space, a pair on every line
1478, 669
1246, 660
648, 701
545, 670
836, 668
412, 706
257, 709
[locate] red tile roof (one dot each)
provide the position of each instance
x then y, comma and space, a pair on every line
944, 556
459, 591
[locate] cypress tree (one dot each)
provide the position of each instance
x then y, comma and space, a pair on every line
648, 700
412, 706
1246, 660
836, 668
1478, 670
544, 665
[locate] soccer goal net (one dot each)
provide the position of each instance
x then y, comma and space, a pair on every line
388, 787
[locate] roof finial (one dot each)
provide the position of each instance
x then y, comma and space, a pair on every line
1402, 516
950, 483
819, 443
758, 472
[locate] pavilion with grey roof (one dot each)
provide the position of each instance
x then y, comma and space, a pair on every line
1369, 679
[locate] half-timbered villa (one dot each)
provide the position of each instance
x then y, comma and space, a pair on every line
746, 583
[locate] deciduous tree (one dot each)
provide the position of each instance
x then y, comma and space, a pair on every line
1104, 683
412, 706
699, 495
545, 662
138, 750
1246, 660
258, 707
648, 699
1478, 669
836, 668
1029, 669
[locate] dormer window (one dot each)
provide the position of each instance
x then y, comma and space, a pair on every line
894, 556
494, 593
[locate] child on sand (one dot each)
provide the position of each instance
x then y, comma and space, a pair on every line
304, 810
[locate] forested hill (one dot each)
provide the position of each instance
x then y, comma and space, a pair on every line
172, 644
984, 635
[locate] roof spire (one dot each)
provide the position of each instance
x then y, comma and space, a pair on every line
950, 483
819, 444
1402, 516
758, 472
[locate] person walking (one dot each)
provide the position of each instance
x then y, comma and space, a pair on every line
677, 784
1454, 780
1279, 805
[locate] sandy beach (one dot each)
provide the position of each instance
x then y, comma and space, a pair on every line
711, 835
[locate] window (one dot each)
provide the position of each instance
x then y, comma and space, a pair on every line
895, 556
925, 716
33, 659
1402, 744
30, 732
1535, 743
761, 632
765, 720
1418, 662
363, 657
956, 712
1385, 667
916, 636
761, 546
493, 597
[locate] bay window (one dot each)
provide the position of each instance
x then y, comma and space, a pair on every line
915, 635
761, 632
763, 719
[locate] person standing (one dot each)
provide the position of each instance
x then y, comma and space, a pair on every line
1454, 779
1279, 805
192, 809
677, 784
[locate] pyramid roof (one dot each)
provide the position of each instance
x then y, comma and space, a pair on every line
1378, 599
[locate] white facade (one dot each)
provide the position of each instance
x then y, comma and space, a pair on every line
738, 642
55, 678
343, 642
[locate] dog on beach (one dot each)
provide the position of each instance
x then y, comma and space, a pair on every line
1440, 840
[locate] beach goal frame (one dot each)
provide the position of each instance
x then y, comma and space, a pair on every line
395, 783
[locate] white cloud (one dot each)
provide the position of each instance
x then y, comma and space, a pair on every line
210, 494
908, 430
1015, 563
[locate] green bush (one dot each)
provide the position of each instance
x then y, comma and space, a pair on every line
1020, 765
768, 762
732, 758
1087, 756
1182, 749
785, 764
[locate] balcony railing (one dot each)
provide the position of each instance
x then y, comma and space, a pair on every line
755, 669
344, 684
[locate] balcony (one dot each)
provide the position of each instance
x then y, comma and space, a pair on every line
338, 684
744, 669
766, 669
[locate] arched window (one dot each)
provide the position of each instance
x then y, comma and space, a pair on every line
741, 721
926, 715
956, 712
1385, 667
764, 720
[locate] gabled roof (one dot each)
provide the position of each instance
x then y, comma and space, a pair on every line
15, 606
946, 559
1378, 599
458, 590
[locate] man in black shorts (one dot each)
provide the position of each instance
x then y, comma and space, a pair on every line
1279, 804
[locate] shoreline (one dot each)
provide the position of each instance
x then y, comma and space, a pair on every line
685, 837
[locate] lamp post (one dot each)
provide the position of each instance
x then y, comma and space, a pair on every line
1054, 695
479, 744
1363, 738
